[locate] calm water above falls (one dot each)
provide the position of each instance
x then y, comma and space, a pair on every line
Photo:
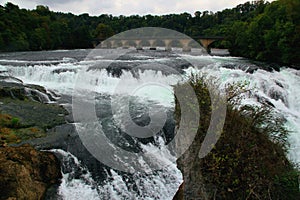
83, 176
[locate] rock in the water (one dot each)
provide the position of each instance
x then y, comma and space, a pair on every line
180, 193
26, 173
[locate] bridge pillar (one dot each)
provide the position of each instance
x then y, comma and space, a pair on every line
168, 44
113, 44
152, 44
206, 42
138, 44
185, 45
125, 44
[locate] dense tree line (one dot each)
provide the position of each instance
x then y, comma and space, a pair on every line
271, 33
259, 30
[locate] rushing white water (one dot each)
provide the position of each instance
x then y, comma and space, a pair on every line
162, 184
70, 187
281, 89
63, 78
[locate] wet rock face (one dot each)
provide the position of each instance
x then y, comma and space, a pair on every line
31, 105
12, 90
194, 185
17, 90
26, 173
180, 193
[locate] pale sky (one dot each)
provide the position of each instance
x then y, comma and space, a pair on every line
128, 7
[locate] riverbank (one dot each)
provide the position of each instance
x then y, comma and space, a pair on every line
26, 114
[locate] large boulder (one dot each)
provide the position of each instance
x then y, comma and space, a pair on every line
26, 173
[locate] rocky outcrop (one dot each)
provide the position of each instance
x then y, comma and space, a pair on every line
30, 104
25, 114
248, 161
195, 185
180, 193
11, 87
26, 173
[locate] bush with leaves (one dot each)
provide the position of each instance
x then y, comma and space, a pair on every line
249, 160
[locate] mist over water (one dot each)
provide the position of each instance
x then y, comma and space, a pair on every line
58, 72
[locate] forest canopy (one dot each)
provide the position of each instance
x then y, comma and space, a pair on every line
258, 30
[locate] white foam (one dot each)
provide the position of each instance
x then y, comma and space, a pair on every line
285, 83
64, 60
71, 188
149, 84
159, 185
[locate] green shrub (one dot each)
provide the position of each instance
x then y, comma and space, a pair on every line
249, 160
15, 122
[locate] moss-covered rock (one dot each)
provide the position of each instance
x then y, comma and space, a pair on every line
12, 131
18, 90
31, 113
12, 90
23, 113
27, 173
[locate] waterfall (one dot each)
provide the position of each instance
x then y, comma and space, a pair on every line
78, 182
280, 89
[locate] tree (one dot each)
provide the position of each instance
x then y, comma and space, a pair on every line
103, 31
42, 10
197, 14
38, 39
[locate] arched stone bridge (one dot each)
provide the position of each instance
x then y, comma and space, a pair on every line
185, 43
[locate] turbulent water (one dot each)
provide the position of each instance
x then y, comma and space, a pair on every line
86, 178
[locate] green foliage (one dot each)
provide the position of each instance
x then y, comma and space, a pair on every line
12, 131
42, 29
15, 122
29, 133
287, 185
249, 160
103, 31
273, 35
5, 120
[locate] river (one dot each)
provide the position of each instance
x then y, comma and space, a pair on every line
146, 78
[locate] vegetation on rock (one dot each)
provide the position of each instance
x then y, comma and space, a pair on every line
249, 160
22, 117
26, 173
12, 131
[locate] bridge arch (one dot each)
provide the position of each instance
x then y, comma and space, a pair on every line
207, 41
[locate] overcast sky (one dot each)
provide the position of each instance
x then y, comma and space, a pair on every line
128, 7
